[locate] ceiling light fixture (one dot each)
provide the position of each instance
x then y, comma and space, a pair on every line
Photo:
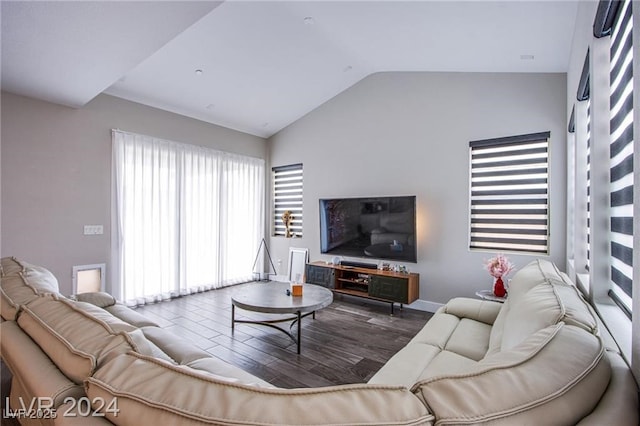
210, 106
309, 20
527, 57
199, 72
347, 68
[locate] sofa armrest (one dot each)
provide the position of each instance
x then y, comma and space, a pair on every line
484, 311
34, 374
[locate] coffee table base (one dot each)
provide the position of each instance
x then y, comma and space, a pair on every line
272, 323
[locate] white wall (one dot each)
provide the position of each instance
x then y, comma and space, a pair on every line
56, 173
407, 134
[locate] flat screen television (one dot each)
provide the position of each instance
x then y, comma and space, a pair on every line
369, 227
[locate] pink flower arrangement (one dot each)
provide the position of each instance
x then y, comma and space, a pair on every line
499, 266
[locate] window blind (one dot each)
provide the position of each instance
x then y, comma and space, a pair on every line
571, 127
621, 151
588, 189
287, 196
509, 194
584, 94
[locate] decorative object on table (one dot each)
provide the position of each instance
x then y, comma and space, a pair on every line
287, 219
384, 266
498, 267
296, 289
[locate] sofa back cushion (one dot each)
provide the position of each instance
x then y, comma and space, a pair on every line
555, 376
163, 393
10, 266
24, 283
537, 309
77, 337
539, 296
533, 274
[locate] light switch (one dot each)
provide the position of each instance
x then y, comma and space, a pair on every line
93, 230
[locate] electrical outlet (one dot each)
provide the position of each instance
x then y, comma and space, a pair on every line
93, 230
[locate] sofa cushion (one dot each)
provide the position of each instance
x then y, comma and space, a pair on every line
479, 310
20, 287
78, 337
497, 331
110, 304
144, 346
470, 339
98, 298
444, 364
510, 387
437, 330
129, 315
180, 350
141, 384
457, 335
537, 309
461, 326
224, 370
406, 366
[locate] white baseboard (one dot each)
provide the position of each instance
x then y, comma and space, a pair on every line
279, 278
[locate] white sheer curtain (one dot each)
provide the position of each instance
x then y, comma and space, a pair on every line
187, 218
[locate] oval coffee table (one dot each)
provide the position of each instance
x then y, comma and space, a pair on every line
272, 298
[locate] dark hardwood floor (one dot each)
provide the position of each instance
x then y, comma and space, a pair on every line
346, 343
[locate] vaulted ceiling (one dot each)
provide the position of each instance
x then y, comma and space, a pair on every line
258, 66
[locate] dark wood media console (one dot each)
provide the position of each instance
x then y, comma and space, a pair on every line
385, 286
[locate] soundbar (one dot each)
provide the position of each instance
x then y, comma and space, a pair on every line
359, 264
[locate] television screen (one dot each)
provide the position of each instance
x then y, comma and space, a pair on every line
373, 227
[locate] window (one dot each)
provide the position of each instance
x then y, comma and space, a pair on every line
189, 218
509, 194
571, 185
584, 94
287, 197
621, 156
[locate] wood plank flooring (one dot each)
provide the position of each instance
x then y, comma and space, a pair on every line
346, 343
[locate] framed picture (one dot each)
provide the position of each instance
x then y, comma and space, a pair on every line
297, 263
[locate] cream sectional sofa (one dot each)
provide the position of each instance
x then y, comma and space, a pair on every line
541, 358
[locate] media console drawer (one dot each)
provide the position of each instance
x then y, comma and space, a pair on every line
320, 275
390, 288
